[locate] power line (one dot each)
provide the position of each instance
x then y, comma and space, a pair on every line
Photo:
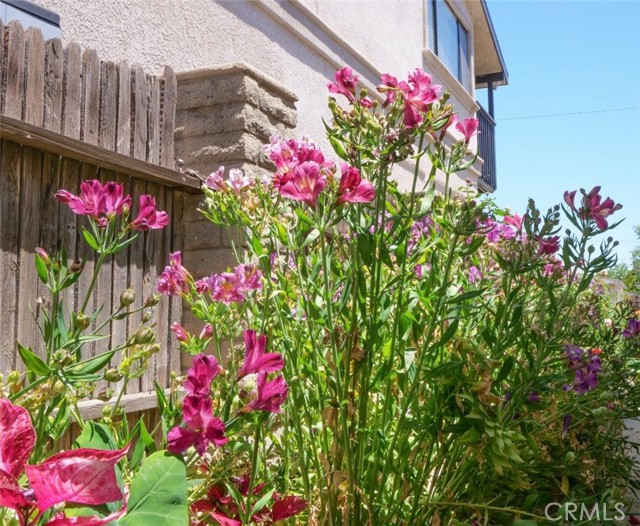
566, 114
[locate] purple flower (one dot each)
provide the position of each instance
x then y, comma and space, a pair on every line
566, 421
633, 328
549, 245
585, 365
474, 274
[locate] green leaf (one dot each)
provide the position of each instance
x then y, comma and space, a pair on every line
261, 503
505, 370
146, 438
158, 493
91, 241
41, 269
313, 235
33, 362
93, 365
95, 436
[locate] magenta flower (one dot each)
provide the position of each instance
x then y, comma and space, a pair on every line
353, 188
249, 277
569, 198
515, 221
180, 332
345, 83
475, 274
174, 279
548, 245
206, 332
597, 209
271, 394
418, 93
389, 86
115, 202
306, 183
200, 375
256, 360
226, 288
148, 217
238, 181
468, 128
95, 199
201, 427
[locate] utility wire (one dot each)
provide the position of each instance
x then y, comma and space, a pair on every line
566, 114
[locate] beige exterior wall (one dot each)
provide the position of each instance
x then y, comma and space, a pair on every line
300, 43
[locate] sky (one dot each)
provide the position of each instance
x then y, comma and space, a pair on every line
575, 67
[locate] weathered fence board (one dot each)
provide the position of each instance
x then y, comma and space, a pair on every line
71, 91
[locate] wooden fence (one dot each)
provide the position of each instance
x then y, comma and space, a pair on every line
66, 116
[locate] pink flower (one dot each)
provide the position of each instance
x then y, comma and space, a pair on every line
569, 198
216, 180
468, 129
174, 279
286, 155
389, 86
249, 276
354, 189
90, 202
345, 83
238, 181
306, 183
474, 274
549, 245
148, 216
201, 427
227, 288
180, 333
271, 394
366, 102
515, 221
418, 93
256, 359
206, 332
80, 476
597, 209
115, 202
202, 372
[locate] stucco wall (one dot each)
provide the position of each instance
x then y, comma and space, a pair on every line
300, 43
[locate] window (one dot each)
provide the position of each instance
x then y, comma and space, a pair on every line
449, 40
31, 15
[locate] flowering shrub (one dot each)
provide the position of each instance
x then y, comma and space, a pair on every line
375, 357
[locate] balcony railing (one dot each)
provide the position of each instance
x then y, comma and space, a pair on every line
487, 150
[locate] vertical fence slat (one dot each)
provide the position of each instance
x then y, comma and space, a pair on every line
68, 226
53, 77
14, 96
108, 105
91, 97
139, 99
27, 333
34, 77
72, 91
153, 121
175, 305
9, 221
2, 67
162, 309
168, 118
123, 140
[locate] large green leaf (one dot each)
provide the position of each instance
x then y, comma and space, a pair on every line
158, 493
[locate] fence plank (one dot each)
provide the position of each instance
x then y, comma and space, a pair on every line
168, 118
91, 88
139, 98
2, 66
123, 140
53, 87
27, 333
162, 309
175, 306
108, 105
68, 227
153, 121
72, 111
34, 77
14, 97
10, 217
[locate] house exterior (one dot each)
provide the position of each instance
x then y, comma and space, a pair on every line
300, 43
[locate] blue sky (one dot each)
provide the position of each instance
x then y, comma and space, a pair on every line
569, 57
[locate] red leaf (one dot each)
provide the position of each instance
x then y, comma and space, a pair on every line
80, 476
18, 438
11, 495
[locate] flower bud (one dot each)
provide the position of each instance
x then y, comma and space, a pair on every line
127, 298
76, 267
207, 332
153, 349
13, 377
113, 375
144, 335
152, 301
147, 315
63, 357
82, 321
43, 256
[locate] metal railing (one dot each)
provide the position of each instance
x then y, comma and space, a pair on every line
487, 150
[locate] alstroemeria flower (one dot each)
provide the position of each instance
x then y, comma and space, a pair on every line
216, 180
238, 181
468, 128
549, 245
174, 279
474, 274
418, 93
306, 183
256, 360
201, 427
115, 202
227, 288
353, 188
597, 209
585, 365
249, 276
515, 221
271, 394
345, 83
569, 198
389, 86
148, 217
180, 332
95, 199
200, 375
